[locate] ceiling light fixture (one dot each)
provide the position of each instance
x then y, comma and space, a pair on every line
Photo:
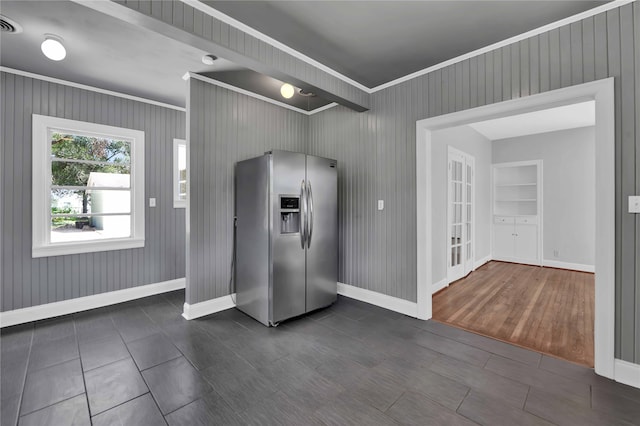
52, 47
209, 59
287, 91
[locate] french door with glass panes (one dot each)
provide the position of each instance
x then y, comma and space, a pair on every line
460, 205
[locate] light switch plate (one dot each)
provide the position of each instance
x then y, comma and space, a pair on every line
152, 202
634, 203
380, 204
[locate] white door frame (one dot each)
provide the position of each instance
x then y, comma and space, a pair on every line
466, 160
603, 93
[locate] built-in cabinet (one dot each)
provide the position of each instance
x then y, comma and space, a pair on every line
517, 212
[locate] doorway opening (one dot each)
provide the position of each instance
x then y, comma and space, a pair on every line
602, 93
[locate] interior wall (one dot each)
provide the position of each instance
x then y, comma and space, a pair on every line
568, 189
377, 149
26, 281
225, 127
469, 141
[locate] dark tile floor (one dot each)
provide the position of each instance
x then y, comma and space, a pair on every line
140, 363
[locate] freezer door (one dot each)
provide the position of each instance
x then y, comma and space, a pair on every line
287, 253
322, 239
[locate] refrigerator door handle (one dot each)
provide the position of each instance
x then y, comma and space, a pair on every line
310, 224
303, 214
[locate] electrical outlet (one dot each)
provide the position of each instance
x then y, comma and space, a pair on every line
634, 204
380, 204
556, 252
152, 202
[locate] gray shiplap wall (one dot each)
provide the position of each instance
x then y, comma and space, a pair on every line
376, 149
225, 127
29, 282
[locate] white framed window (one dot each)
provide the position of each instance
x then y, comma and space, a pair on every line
179, 173
88, 187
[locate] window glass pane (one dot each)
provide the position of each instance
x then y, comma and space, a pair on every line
64, 173
182, 160
90, 201
183, 191
81, 228
78, 147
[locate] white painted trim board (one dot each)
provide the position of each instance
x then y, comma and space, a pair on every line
382, 300
437, 286
395, 304
627, 373
208, 307
79, 304
568, 265
481, 262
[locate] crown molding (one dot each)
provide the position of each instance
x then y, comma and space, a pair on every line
89, 88
261, 36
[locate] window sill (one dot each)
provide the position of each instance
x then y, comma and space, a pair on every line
61, 249
179, 204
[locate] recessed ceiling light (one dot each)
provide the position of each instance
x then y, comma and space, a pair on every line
52, 47
209, 59
287, 90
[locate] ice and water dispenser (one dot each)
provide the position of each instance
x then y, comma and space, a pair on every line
289, 215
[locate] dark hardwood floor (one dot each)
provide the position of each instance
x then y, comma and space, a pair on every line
545, 309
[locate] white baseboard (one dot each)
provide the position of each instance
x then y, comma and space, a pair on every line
207, 307
436, 287
481, 262
79, 304
382, 300
567, 265
517, 260
627, 373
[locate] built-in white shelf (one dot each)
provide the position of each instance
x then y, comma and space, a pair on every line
517, 196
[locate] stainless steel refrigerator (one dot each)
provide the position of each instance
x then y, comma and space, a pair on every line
286, 236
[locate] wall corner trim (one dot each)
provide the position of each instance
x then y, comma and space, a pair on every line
207, 307
382, 300
79, 304
437, 286
627, 373
482, 262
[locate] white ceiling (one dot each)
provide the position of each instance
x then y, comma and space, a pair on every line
547, 120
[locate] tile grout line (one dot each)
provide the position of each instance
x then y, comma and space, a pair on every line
530, 413
462, 401
26, 371
40, 369
84, 381
138, 368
